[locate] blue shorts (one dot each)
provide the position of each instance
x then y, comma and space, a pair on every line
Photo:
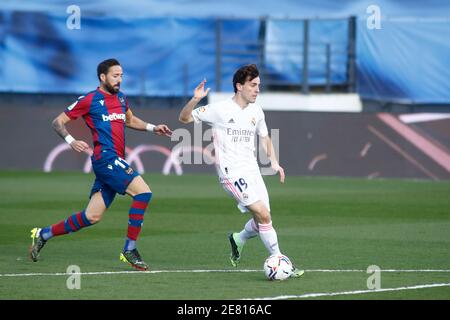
112, 175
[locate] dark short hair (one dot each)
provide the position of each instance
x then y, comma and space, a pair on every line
103, 67
245, 73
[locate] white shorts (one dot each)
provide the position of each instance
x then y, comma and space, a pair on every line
246, 190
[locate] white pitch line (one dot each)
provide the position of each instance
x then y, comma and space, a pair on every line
381, 270
203, 271
330, 294
118, 272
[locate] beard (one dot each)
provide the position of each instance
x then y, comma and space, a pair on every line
112, 89
250, 99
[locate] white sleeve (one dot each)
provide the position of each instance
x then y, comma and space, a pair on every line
206, 114
261, 126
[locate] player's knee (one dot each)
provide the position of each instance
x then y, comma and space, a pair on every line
265, 219
138, 186
262, 215
142, 186
145, 189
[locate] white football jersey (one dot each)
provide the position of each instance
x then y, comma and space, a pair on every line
234, 133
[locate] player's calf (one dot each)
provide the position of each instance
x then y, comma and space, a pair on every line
73, 223
40, 236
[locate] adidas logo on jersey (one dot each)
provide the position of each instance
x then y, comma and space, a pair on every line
231, 120
114, 116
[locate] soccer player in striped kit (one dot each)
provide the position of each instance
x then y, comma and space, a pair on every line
235, 123
107, 114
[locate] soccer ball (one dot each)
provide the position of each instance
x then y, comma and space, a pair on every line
278, 267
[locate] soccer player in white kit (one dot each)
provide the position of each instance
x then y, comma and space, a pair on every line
235, 123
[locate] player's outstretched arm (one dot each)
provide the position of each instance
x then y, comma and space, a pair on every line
199, 93
59, 124
270, 151
135, 123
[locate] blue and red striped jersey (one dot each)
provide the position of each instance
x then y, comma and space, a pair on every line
105, 115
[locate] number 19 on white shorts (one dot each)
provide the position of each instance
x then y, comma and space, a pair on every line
246, 190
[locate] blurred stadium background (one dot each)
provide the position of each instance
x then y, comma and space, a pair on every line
329, 73
357, 89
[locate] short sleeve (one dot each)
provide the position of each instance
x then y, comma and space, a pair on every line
79, 107
206, 113
261, 127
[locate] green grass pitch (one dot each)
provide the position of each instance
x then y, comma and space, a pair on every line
333, 224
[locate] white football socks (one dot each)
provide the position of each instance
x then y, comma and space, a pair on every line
269, 237
250, 231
